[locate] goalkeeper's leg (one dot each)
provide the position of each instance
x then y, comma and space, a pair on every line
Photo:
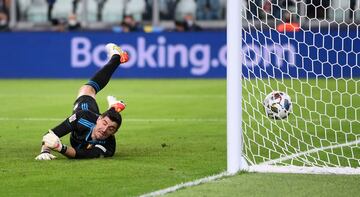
102, 77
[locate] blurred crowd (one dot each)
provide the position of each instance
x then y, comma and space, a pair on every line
4, 14
129, 15
314, 8
138, 15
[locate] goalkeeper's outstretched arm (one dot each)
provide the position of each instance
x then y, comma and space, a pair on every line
62, 129
52, 142
95, 152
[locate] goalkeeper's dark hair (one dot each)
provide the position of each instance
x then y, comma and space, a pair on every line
113, 115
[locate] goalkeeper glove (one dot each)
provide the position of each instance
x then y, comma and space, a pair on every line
52, 141
45, 154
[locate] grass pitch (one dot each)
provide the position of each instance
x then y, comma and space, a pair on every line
173, 131
254, 184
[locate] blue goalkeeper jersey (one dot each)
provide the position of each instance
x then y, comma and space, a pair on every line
80, 126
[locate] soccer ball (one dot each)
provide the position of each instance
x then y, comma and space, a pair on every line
277, 105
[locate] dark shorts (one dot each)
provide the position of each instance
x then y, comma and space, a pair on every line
86, 102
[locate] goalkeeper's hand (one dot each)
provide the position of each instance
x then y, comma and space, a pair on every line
45, 154
52, 141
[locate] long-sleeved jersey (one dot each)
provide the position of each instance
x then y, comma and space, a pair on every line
80, 126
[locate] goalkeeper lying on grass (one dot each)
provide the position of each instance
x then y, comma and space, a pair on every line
92, 134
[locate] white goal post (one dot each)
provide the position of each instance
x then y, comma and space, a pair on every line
310, 51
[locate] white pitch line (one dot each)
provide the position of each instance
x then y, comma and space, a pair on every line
309, 152
185, 185
126, 119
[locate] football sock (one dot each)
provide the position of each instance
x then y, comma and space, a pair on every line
102, 77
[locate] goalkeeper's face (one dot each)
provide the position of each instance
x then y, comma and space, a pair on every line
104, 128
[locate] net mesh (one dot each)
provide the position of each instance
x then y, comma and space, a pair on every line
311, 51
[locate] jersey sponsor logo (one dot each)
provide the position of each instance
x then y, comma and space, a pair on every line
89, 146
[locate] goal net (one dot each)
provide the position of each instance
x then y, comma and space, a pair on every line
311, 51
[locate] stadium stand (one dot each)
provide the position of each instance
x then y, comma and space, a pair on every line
135, 8
113, 11
208, 10
37, 11
209, 14
185, 7
62, 9
23, 8
4, 15
92, 11
167, 8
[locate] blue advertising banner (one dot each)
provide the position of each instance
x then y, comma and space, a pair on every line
178, 55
